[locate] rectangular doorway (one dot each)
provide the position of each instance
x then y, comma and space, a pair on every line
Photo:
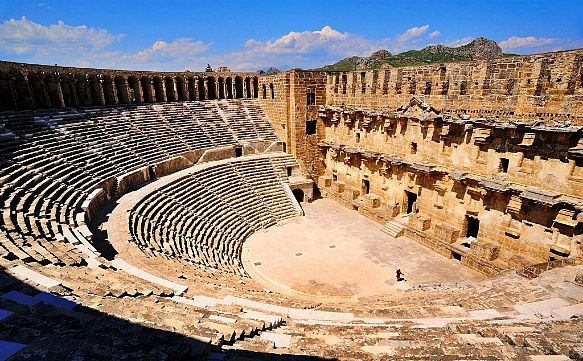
473, 227
411, 202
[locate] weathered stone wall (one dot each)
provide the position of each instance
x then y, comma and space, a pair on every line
543, 86
522, 183
274, 96
31, 86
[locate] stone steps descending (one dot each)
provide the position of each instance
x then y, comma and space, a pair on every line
393, 229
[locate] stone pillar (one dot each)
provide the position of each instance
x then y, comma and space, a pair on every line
140, 92
152, 90
100, 92
195, 89
163, 84
45, 94
14, 95
175, 89
59, 89
206, 89
126, 87
114, 92
31, 93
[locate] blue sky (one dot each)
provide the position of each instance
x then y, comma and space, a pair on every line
251, 35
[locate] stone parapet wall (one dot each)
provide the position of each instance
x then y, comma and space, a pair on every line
542, 86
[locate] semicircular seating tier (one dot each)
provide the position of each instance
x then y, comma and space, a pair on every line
52, 161
205, 217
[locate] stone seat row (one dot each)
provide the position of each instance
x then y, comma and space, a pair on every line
205, 217
52, 160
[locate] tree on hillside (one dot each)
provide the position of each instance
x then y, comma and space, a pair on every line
208, 68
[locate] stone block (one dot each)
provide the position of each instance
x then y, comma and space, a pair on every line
445, 232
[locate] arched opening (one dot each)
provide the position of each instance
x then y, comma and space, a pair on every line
264, 91
122, 90
53, 85
255, 87
7, 96
298, 194
135, 90
272, 92
146, 89
248, 87
201, 87
68, 90
37, 87
229, 88
211, 87
23, 95
180, 89
83, 89
159, 89
221, 88
108, 91
170, 91
238, 87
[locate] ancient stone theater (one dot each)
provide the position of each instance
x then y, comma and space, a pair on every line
428, 212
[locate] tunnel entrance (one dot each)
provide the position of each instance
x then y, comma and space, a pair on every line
299, 194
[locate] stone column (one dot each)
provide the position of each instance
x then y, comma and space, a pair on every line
59, 89
175, 89
14, 94
31, 93
140, 93
163, 84
152, 90
45, 93
100, 92
195, 89
126, 87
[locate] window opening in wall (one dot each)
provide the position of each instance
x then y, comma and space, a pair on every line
284, 145
289, 171
413, 147
557, 255
456, 256
358, 137
463, 87
411, 202
504, 165
311, 98
473, 227
310, 127
272, 93
264, 92
335, 177
344, 82
365, 186
238, 151
363, 81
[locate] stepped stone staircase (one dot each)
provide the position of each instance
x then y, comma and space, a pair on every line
393, 229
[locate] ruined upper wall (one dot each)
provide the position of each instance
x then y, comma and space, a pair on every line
31, 86
543, 86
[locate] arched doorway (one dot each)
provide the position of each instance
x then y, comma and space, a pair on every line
238, 87
299, 195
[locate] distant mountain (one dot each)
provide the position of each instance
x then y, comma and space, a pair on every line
478, 49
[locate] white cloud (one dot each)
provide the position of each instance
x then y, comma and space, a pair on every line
27, 37
412, 34
531, 44
458, 42
434, 34
529, 41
